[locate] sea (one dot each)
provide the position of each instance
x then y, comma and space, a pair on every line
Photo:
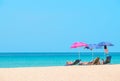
47, 59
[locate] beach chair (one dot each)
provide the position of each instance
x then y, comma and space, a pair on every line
75, 62
108, 60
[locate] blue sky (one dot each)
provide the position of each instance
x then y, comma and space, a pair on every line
52, 25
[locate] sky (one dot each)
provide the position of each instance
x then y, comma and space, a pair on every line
53, 25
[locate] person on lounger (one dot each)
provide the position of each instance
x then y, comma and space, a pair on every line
94, 62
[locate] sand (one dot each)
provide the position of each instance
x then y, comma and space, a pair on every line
62, 73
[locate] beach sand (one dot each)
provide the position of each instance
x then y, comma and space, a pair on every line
62, 73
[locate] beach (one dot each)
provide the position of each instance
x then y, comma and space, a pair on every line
62, 73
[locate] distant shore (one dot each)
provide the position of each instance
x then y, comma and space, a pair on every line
62, 73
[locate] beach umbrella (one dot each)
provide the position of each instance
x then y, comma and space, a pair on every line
78, 45
93, 46
105, 44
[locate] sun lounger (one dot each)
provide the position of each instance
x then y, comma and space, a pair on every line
108, 60
75, 62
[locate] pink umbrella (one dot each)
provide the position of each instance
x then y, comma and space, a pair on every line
78, 45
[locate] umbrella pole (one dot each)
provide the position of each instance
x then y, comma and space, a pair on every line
92, 54
104, 55
79, 55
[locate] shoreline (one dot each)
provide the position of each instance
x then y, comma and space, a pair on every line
62, 73
55, 66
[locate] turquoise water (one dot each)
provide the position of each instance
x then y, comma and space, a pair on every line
8, 60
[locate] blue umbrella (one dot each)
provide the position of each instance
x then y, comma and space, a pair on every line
105, 44
93, 46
